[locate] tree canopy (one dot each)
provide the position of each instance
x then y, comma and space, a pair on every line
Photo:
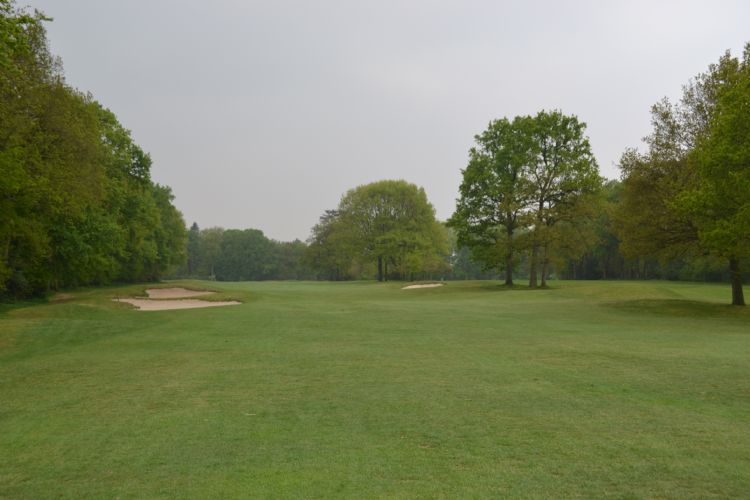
77, 203
523, 178
389, 224
688, 193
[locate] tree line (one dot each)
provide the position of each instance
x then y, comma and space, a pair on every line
382, 230
681, 206
77, 203
242, 255
532, 204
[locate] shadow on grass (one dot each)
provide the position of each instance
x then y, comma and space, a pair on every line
684, 308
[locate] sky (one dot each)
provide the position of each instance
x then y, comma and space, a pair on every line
263, 114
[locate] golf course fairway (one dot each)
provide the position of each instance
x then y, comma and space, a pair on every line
360, 389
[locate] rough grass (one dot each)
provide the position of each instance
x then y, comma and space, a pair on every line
319, 390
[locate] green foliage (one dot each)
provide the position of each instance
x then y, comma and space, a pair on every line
237, 255
76, 201
329, 251
494, 193
245, 255
524, 178
387, 223
719, 201
687, 195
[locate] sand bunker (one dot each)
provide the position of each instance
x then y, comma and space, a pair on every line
175, 293
164, 305
164, 299
429, 285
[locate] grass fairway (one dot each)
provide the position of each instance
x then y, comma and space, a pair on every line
624, 389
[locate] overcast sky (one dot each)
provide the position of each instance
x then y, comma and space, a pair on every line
262, 114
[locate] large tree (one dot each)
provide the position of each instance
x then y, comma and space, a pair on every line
389, 224
562, 173
719, 202
523, 178
392, 223
686, 195
77, 204
494, 193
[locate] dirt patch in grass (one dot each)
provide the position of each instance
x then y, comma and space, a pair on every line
165, 305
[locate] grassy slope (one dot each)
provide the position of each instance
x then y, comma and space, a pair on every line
361, 389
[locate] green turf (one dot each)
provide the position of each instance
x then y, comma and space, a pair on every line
320, 390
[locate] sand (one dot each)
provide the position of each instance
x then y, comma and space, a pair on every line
175, 293
164, 305
429, 285
164, 299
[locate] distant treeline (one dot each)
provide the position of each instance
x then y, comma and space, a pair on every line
77, 204
237, 255
242, 255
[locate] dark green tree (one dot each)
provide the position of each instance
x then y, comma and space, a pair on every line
193, 249
77, 205
329, 252
562, 173
246, 255
686, 196
495, 193
523, 178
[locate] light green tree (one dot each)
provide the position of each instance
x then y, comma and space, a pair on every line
389, 224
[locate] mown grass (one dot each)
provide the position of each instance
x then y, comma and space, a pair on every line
319, 390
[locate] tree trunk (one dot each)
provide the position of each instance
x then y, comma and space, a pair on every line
532, 267
385, 272
509, 258
545, 262
735, 275
509, 270
380, 268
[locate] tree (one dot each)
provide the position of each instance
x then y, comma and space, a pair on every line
210, 249
246, 255
494, 193
329, 251
77, 205
388, 225
193, 249
718, 202
523, 178
290, 259
686, 196
391, 222
562, 173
